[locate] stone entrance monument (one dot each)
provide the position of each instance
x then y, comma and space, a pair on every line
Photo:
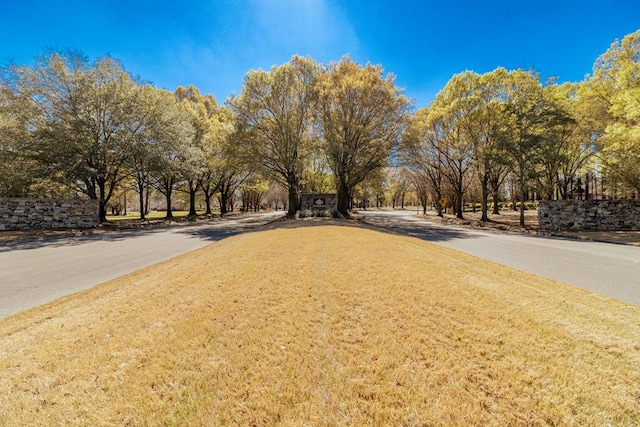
318, 202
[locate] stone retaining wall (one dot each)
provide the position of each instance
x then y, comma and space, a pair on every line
27, 213
319, 201
589, 215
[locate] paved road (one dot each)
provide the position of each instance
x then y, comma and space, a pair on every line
604, 268
33, 273
37, 272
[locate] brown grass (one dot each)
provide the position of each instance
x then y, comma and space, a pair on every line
326, 325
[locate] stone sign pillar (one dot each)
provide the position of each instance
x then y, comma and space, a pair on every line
319, 202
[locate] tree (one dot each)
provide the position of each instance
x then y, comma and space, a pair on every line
164, 125
421, 154
143, 156
228, 181
420, 186
217, 156
361, 116
252, 192
615, 87
456, 144
274, 113
200, 149
373, 185
317, 177
399, 184
276, 195
569, 145
170, 138
84, 120
479, 102
17, 175
529, 115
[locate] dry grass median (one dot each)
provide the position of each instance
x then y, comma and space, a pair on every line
323, 325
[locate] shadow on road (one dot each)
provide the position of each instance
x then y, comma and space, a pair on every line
431, 234
223, 228
214, 230
420, 229
75, 238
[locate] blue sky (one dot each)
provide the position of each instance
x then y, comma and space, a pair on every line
213, 43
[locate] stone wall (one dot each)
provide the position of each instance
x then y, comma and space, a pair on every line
318, 201
27, 213
593, 215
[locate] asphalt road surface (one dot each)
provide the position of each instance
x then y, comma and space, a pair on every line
33, 273
604, 268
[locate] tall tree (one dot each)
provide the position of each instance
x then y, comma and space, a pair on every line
165, 126
569, 146
274, 114
529, 116
616, 88
456, 146
170, 138
84, 122
479, 102
17, 170
362, 115
199, 147
421, 153
231, 168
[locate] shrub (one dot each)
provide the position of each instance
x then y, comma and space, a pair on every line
317, 213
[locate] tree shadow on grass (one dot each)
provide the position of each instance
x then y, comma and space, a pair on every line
424, 231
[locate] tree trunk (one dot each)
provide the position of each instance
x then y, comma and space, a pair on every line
485, 198
147, 197
496, 200
293, 200
223, 202
438, 204
207, 203
141, 201
522, 195
458, 205
343, 198
102, 203
167, 195
193, 189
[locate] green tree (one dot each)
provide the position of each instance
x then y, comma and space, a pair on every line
317, 177
569, 146
84, 120
18, 173
453, 112
199, 147
421, 153
362, 115
615, 96
274, 120
479, 109
164, 125
529, 117
219, 163
172, 165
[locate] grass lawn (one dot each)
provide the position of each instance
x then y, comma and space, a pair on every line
323, 325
